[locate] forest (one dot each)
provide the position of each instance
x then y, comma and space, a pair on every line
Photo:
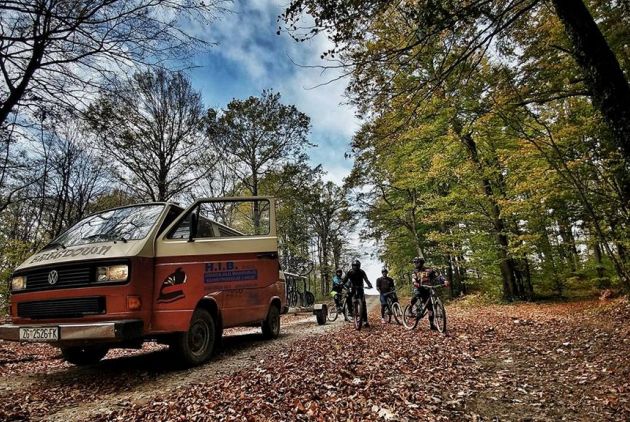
489, 137
495, 137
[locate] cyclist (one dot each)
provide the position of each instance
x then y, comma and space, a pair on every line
356, 276
384, 285
423, 276
337, 288
337, 281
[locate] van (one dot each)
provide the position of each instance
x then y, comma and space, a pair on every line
152, 271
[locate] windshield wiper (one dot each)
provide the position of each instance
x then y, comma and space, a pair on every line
95, 236
106, 237
121, 238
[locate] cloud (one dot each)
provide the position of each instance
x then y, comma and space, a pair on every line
250, 57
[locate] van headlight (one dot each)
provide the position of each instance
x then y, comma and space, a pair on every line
112, 273
18, 283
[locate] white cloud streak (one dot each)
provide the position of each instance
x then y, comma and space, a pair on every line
247, 40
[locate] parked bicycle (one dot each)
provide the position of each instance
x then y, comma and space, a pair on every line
414, 313
298, 294
392, 308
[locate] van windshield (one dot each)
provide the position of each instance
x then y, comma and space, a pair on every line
122, 224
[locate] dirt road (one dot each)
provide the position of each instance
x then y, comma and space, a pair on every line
36, 384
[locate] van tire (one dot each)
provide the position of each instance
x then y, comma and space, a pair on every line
271, 325
84, 355
196, 345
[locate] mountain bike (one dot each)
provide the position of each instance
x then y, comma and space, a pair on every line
392, 308
358, 308
414, 313
333, 310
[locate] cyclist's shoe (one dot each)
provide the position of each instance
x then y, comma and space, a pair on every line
366, 324
382, 320
434, 327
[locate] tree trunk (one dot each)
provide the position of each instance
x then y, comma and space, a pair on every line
256, 204
603, 75
505, 263
603, 282
569, 249
449, 274
461, 271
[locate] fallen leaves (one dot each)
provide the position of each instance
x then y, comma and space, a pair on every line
558, 360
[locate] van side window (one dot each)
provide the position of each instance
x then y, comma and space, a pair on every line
230, 218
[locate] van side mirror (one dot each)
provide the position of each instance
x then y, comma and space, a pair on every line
194, 219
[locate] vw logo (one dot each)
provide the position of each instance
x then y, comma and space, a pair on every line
53, 277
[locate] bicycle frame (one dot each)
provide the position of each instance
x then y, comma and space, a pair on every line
390, 294
389, 301
415, 312
425, 305
357, 311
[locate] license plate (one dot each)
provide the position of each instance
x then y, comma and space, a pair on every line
39, 334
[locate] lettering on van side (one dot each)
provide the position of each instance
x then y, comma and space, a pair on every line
84, 251
227, 271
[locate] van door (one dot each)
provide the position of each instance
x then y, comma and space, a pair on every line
225, 249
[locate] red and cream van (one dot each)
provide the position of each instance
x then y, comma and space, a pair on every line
152, 272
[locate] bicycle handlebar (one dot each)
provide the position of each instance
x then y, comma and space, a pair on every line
432, 286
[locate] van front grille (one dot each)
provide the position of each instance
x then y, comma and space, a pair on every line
62, 308
74, 276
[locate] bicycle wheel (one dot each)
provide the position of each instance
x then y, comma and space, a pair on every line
397, 312
306, 268
333, 313
439, 316
344, 310
388, 311
358, 313
410, 317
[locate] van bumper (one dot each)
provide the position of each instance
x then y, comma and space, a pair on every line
107, 330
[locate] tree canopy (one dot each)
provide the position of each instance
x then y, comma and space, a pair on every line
487, 144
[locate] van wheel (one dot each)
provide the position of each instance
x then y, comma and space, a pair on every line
271, 325
84, 355
196, 345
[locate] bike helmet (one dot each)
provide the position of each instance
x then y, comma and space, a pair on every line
339, 271
384, 270
356, 264
418, 261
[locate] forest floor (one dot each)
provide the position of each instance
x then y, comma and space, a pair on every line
526, 362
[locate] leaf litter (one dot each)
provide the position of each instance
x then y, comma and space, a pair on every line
530, 362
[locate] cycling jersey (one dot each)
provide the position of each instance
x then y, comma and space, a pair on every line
423, 277
356, 278
385, 284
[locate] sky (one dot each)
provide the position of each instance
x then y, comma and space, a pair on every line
249, 56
